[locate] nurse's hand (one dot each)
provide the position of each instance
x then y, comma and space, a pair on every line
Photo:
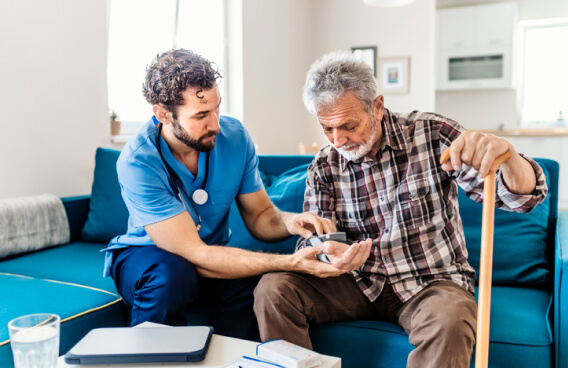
306, 224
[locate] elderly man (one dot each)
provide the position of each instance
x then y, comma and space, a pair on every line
380, 178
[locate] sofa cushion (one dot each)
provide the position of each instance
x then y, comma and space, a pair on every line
287, 189
80, 308
108, 216
78, 263
520, 316
363, 343
287, 192
519, 245
520, 332
31, 223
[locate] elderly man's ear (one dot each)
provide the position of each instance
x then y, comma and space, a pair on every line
378, 107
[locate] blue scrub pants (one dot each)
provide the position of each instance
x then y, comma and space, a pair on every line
162, 287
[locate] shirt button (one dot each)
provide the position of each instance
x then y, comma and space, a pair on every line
381, 198
387, 230
385, 258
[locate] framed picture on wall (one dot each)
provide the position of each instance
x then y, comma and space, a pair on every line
394, 75
368, 54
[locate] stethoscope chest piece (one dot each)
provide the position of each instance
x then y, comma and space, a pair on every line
200, 196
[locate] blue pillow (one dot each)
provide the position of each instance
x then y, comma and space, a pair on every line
108, 216
287, 192
519, 243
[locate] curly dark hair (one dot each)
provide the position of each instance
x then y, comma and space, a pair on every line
172, 72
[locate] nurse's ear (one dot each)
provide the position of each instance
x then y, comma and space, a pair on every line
161, 113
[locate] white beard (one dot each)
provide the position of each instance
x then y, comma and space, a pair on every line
362, 149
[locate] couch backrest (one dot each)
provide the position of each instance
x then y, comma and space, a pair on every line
523, 244
108, 216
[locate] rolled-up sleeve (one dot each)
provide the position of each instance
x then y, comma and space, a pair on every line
504, 198
519, 202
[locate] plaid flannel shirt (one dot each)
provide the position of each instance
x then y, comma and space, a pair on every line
406, 203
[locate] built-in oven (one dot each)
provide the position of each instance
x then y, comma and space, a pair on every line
490, 68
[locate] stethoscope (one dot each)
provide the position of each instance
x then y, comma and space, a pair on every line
199, 196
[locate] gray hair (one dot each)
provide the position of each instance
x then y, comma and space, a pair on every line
334, 74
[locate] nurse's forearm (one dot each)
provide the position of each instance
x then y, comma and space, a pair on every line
227, 262
270, 225
179, 235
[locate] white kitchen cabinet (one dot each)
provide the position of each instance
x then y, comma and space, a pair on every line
457, 28
495, 24
476, 26
555, 148
475, 47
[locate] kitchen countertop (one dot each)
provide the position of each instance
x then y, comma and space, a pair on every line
528, 132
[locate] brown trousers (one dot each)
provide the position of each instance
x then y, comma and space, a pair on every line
440, 320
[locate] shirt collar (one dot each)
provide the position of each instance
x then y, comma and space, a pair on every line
393, 133
392, 136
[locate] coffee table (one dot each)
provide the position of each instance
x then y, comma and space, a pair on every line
222, 350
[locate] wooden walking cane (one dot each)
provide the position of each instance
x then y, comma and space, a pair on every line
486, 260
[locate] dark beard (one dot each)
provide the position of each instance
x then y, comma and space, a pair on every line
198, 144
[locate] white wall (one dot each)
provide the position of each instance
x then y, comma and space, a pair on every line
233, 73
480, 109
487, 109
277, 52
53, 95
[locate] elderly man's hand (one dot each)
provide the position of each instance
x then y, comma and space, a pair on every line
345, 257
477, 150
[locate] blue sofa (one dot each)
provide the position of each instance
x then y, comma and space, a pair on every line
529, 296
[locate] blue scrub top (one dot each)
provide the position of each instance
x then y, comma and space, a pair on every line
150, 197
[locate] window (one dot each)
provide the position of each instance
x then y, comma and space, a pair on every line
544, 76
140, 29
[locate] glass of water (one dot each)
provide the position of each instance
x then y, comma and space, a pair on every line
35, 340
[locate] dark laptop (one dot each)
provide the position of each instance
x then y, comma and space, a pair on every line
141, 345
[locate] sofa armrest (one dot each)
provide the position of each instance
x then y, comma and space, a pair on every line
561, 291
77, 209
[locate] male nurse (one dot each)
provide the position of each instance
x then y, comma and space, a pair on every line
178, 177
